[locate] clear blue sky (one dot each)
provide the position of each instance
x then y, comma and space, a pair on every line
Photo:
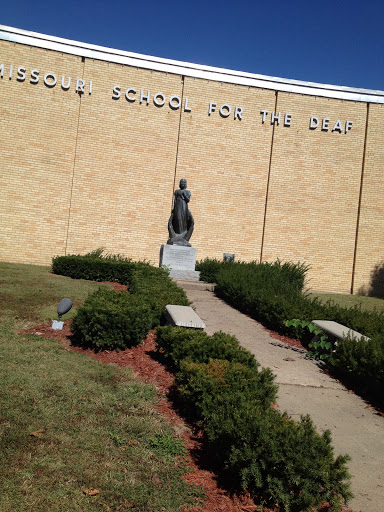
336, 42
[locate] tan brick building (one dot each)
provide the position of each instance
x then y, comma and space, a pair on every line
94, 141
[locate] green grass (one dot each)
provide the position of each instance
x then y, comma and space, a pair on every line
349, 301
100, 426
31, 293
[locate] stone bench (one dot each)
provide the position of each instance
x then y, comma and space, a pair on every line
183, 316
337, 330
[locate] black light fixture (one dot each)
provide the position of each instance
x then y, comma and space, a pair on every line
63, 308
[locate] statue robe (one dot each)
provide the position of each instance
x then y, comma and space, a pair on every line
180, 211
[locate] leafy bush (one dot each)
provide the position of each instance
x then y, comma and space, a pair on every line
93, 268
272, 294
268, 274
281, 461
286, 462
206, 385
185, 346
151, 284
269, 293
111, 320
321, 346
155, 287
179, 343
362, 364
209, 267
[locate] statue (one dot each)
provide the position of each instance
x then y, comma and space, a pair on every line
180, 224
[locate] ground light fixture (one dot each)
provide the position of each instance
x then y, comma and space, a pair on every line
64, 306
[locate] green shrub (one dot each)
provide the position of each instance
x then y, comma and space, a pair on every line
362, 364
111, 320
155, 287
209, 267
206, 385
267, 292
179, 343
93, 268
152, 284
262, 291
286, 462
276, 275
321, 346
277, 459
281, 461
272, 294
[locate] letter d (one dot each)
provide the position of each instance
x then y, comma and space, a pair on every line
314, 123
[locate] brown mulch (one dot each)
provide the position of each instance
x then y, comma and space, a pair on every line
117, 286
217, 499
140, 358
284, 339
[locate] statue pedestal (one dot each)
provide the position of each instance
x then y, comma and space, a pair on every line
181, 261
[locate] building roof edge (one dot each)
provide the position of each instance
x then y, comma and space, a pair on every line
188, 69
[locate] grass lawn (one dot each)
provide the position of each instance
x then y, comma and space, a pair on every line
349, 301
96, 426
31, 293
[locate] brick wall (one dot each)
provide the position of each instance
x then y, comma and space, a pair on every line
314, 189
369, 271
82, 171
37, 140
125, 164
225, 162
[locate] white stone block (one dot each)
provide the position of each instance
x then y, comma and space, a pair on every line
57, 325
183, 316
178, 257
338, 330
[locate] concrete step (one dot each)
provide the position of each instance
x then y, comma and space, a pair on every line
195, 285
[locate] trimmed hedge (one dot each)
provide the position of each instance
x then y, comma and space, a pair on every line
276, 275
111, 320
279, 460
155, 287
209, 268
180, 343
93, 268
361, 364
183, 346
272, 294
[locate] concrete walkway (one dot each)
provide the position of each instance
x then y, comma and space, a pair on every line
305, 389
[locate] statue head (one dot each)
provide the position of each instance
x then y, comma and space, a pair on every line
183, 183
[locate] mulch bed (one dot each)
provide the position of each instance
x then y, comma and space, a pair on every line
149, 369
284, 339
153, 372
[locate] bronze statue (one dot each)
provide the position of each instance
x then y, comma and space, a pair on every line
180, 224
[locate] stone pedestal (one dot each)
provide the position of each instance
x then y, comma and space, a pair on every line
181, 261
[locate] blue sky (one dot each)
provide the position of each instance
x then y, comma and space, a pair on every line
336, 42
